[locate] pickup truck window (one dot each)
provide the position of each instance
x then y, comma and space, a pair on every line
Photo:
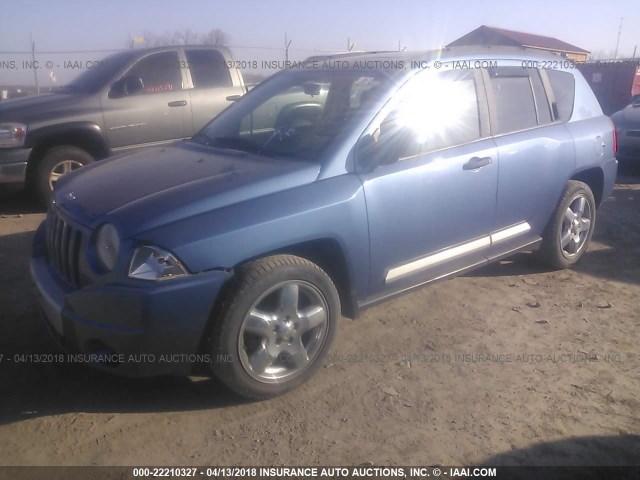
93, 79
159, 72
296, 114
208, 69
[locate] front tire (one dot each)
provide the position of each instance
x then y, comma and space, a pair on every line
569, 232
55, 163
277, 324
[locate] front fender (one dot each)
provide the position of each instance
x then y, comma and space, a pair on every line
329, 209
75, 133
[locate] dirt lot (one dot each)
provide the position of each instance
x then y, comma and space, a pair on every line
512, 364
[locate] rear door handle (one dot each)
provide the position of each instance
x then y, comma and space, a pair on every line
477, 162
178, 103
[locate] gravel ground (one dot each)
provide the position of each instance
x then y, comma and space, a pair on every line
512, 364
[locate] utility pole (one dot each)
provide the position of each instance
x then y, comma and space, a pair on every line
33, 62
287, 44
618, 42
350, 45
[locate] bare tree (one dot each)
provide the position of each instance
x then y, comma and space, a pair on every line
215, 36
177, 38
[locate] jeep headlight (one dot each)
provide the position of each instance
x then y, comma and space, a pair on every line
153, 263
12, 135
107, 246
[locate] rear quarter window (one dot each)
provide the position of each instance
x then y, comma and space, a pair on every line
564, 87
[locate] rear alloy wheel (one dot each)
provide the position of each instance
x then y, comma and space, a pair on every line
276, 327
56, 163
569, 232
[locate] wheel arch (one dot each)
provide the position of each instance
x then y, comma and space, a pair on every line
329, 256
324, 252
594, 178
85, 135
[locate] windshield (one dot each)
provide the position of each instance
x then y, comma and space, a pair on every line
296, 114
93, 79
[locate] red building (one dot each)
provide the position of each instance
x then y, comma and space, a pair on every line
485, 35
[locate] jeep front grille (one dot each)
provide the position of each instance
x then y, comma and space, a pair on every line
63, 247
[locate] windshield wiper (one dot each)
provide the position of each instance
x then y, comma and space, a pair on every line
201, 138
234, 143
66, 89
279, 133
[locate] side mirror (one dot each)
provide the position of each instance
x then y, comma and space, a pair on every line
312, 89
128, 85
369, 155
385, 147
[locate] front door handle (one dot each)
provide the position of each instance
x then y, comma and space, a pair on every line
178, 103
477, 162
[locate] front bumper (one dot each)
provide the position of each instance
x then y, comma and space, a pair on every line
13, 164
134, 328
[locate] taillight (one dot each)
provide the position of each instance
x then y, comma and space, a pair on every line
615, 137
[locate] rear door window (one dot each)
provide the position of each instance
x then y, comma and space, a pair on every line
208, 69
513, 106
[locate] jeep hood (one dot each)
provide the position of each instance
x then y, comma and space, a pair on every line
157, 186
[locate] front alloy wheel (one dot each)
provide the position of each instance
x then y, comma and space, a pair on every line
274, 326
62, 168
54, 164
283, 332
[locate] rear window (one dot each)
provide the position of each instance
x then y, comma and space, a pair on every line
563, 85
208, 69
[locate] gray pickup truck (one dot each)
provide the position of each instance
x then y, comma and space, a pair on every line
134, 99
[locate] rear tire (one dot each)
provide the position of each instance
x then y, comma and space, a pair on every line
55, 163
277, 323
569, 232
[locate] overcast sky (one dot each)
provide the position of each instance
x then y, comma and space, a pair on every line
321, 25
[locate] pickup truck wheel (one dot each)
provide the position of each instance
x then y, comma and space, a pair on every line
55, 163
567, 236
277, 324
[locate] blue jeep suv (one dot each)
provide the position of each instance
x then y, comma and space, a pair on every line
332, 186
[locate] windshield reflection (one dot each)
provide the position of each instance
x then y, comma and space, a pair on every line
295, 114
